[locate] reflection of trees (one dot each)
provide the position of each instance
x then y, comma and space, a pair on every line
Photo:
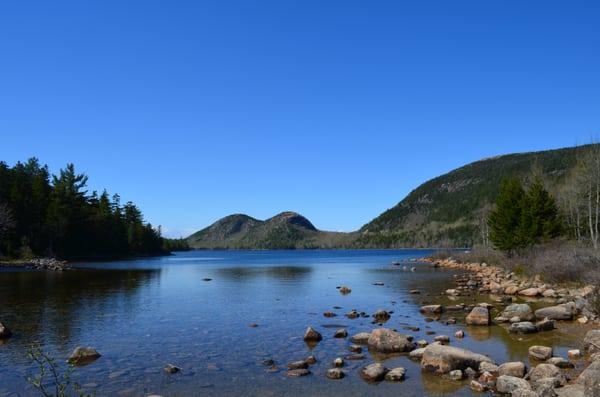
278, 272
53, 305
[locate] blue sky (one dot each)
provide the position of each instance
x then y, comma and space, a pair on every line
335, 109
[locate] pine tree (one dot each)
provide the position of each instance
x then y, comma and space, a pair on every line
540, 219
504, 221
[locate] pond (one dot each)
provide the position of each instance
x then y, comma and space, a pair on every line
143, 314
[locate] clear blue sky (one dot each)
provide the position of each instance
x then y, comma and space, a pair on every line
335, 109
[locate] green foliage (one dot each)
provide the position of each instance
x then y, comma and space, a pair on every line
49, 380
175, 244
505, 220
523, 218
56, 216
448, 210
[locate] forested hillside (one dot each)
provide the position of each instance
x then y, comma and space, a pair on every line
451, 210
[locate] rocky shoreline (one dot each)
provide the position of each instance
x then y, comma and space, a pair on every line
548, 376
50, 264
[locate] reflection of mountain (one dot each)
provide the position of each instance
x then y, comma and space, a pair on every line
39, 303
276, 272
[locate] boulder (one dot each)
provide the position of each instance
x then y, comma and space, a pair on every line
488, 367
479, 316
545, 370
478, 387
83, 355
5, 333
590, 380
355, 348
521, 310
459, 334
574, 353
523, 327
560, 362
558, 312
338, 362
432, 309
511, 290
508, 384
335, 373
329, 314
530, 292
353, 314
442, 339
361, 338
591, 342
311, 360
311, 335
373, 372
396, 374
545, 387
457, 374
387, 341
515, 368
540, 353
417, 354
442, 359
545, 325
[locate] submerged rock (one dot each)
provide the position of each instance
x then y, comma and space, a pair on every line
442, 359
381, 316
387, 341
345, 290
171, 369
83, 355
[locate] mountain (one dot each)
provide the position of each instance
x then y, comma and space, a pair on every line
287, 230
450, 209
447, 211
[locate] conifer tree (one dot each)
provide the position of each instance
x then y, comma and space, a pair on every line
504, 221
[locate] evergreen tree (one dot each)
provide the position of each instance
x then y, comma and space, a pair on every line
504, 221
540, 220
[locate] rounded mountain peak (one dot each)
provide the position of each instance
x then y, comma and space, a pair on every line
292, 218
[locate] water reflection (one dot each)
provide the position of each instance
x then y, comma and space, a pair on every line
281, 273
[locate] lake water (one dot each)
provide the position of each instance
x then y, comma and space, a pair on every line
146, 313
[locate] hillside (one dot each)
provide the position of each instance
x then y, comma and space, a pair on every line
448, 210
287, 230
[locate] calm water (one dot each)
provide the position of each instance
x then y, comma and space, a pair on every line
146, 313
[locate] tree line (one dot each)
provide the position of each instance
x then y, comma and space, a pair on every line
55, 215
